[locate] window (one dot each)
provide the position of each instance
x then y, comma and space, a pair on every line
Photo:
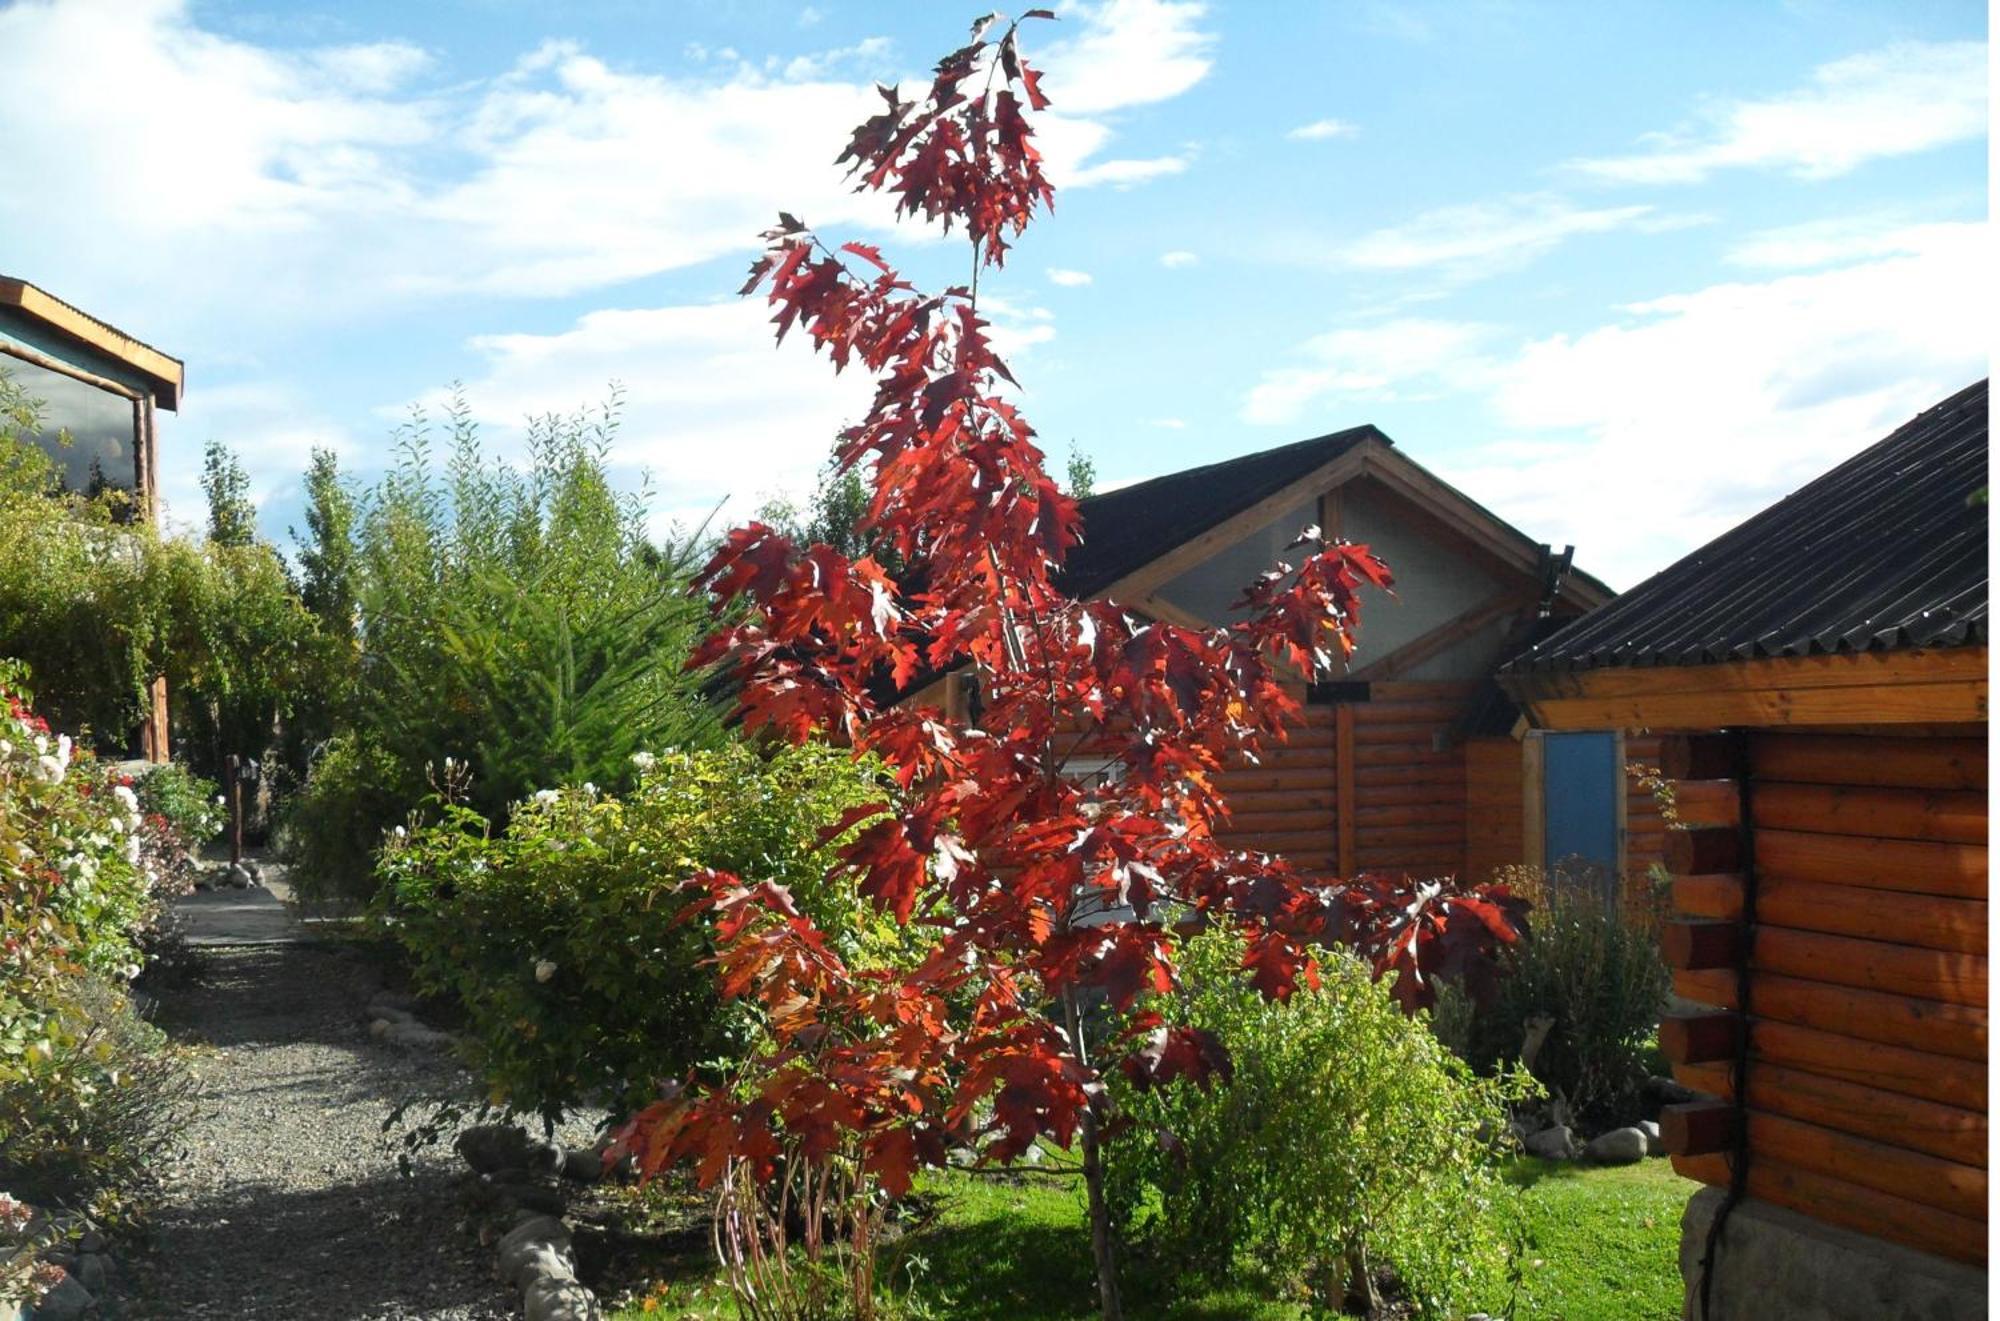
90, 432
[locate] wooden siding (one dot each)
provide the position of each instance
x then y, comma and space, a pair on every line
1866, 1074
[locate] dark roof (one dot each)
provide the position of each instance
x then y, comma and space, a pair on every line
1888, 550
1127, 529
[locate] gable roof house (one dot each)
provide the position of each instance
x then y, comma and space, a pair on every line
1831, 884
1408, 761
99, 389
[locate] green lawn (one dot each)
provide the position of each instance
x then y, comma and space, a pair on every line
1599, 1245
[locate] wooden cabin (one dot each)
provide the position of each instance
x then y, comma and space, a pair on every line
1823, 670
1412, 760
98, 389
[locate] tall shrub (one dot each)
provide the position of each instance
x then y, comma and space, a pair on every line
515, 619
1347, 1140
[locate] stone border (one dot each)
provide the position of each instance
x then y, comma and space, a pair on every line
536, 1255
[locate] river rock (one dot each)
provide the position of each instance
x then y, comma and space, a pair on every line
1654, 1147
550, 1299
1621, 1146
1556, 1143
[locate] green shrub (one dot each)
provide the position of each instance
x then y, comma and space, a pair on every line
84, 1133
559, 936
190, 805
1593, 968
1348, 1140
85, 1087
517, 621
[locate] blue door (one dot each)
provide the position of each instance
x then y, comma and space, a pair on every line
1581, 784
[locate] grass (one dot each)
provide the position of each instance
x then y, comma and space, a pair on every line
1598, 1245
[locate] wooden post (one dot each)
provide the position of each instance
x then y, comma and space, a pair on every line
1343, 782
235, 767
1534, 821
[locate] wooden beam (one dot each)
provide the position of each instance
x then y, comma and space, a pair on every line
1709, 849
1699, 1038
1698, 757
1853, 1014
1927, 763
1943, 815
1902, 1121
1534, 820
1910, 866
1446, 635
1706, 802
1883, 703
1936, 922
1698, 1127
1787, 673
1696, 945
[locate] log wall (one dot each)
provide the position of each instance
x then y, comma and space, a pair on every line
1866, 1033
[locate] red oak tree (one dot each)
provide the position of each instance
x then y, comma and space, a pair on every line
1041, 897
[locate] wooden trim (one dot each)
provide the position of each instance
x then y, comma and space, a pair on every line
1409, 480
1534, 820
1142, 580
1330, 514
1847, 670
166, 373
1167, 612
1890, 703
1343, 775
1420, 649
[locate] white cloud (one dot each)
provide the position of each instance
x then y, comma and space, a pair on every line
1833, 241
1178, 259
1707, 406
1125, 53
1169, 423
1907, 97
711, 408
1067, 278
1322, 130
341, 181
1483, 238
869, 55
1387, 361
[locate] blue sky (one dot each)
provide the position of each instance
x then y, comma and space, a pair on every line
1624, 273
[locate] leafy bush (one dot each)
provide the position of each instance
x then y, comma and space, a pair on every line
1347, 1141
84, 1132
559, 935
85, 1089
517, 621
188, 804
1591, 965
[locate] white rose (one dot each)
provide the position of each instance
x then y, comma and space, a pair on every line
546, 796
645, 761
544, 969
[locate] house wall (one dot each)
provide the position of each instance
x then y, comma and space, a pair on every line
1866, 1074
1498, 806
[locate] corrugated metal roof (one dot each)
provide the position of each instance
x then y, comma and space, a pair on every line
1888, 550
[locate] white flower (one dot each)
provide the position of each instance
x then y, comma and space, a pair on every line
544, 969
645, 761
546, 796
401, 833
589, 789
48, 769
132, 849
126, 798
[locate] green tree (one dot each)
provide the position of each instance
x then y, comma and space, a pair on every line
328, 557
1081, 481
232, 518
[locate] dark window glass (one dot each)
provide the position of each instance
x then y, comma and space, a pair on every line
1581, 784
98, 425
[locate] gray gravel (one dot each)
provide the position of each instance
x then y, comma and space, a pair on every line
284, 1199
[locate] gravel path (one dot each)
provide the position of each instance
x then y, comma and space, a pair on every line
284, 1199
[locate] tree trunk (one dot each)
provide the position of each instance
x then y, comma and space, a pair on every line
1101, 1244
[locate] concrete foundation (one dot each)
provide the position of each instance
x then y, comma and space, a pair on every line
1776, 1265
